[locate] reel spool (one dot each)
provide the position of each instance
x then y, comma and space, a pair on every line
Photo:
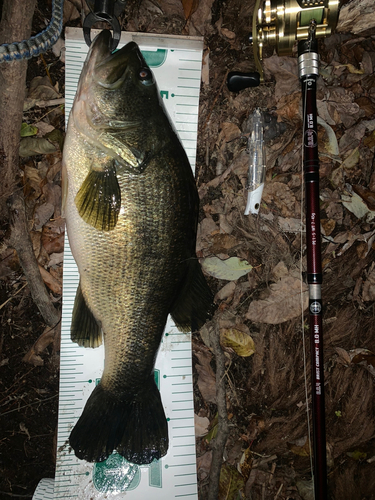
280, 23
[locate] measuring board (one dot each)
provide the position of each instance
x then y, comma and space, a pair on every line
176, 63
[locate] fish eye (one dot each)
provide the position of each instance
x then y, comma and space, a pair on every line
145, 76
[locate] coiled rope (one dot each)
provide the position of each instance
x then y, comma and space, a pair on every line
39, 43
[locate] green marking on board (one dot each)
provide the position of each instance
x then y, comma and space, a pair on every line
155, 474
157, 378
164, 93
116, 474
155, 58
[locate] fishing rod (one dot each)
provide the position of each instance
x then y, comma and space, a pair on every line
281, 23
308, 69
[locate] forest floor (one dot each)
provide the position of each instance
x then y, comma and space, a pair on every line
267, 453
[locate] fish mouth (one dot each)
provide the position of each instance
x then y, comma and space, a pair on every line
110, 68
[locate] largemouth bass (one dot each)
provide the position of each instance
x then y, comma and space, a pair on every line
131, 208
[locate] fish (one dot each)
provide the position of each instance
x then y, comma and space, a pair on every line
131, 207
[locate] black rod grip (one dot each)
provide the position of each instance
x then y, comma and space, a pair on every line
237, 81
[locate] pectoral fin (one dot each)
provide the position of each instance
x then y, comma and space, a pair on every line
99, 199
194, 304
85, 330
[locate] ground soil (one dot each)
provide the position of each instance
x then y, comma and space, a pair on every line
267, 455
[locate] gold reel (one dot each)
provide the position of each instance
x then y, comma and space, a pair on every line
281, 22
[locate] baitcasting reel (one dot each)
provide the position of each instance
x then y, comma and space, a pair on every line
280, 23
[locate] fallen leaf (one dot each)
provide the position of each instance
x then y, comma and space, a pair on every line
56, 136
246, 463
341, 106
368, 292
44, 128
204, 465
229, 269
241, 343
300, 447
306, 489
52, 195
53, 236
290, 225
357, 455
33, 179
189, 6
367, 105
328, 226
206, 376
31, 146
288, 108
343, 355
332, 146
357, 206
280, 270
206, 67
28, 130
351, 160
367, 196
231, 35
42, 214
55, 259
201, 425
356, 17
230, 131
226, 292
50, 281
24, 430
231, 483
213, 431
221, 243
285, 71
369, 141
41, 88
33, 356
362, 355
283, 197
351, 68
206, 229
282, 304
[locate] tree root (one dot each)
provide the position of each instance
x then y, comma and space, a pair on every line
218, 444
20, 240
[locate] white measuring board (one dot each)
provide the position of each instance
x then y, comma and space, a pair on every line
176, 63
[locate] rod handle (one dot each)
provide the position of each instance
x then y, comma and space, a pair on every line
237, 81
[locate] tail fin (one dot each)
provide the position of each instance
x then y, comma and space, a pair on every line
136, 427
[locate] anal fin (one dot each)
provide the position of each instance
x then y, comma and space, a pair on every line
194, 304
85, 330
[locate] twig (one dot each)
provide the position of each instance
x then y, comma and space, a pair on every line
30, 404
218, 444
41, 103
10, 298
15, 495
278, 491
21, 242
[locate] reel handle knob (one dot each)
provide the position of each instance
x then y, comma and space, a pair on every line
237, 81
